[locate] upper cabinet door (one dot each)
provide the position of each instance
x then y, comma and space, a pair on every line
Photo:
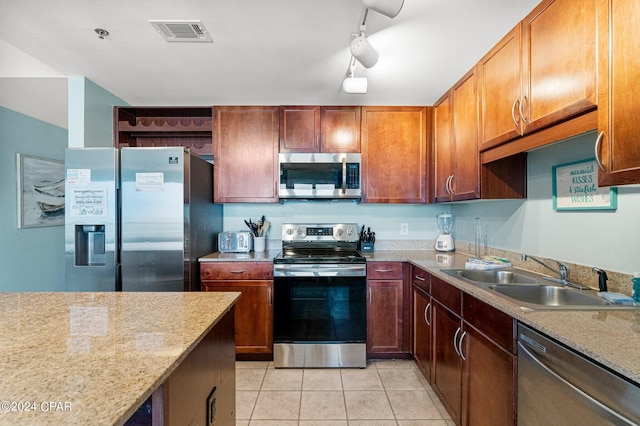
340, 129
499, 86
442, 148
465, 184
617, 147
559, 62
320, 129
299, 129
245, 147
394, 154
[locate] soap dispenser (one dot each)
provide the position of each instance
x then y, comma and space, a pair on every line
602, 279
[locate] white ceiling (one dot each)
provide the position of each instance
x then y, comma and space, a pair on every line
270, 52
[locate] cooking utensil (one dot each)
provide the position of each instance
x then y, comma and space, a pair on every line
265, 228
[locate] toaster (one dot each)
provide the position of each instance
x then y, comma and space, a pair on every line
235, 242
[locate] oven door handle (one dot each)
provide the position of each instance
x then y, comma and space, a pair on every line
312, 271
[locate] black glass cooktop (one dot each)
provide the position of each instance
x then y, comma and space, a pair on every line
319, 255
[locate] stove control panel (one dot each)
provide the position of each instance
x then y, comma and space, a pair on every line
346, 232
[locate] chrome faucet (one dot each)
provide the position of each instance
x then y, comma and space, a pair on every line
563, 269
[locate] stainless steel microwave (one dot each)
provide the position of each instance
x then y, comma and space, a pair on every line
320, 176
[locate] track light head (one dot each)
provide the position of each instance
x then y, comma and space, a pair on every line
363, 51
388, 8
355, 85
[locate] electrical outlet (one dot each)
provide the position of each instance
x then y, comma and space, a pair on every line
404, 229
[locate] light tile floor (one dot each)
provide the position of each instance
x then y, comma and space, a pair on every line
385, 393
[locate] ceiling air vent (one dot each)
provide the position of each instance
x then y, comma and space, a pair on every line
182, 31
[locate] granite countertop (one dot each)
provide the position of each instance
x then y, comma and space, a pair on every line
609, 337
94, 358
252, 256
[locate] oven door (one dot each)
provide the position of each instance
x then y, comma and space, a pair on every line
320, 321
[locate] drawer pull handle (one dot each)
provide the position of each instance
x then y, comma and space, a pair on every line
384, 270
460, 346
238, 271
426, 317
513, 112
419, 278
598, 141
522, 102
455, 341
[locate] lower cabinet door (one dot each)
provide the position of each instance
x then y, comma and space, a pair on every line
447, 364
384, 316
490, 381
422, 331
254, 314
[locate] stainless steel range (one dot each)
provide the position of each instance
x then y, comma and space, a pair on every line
320, 297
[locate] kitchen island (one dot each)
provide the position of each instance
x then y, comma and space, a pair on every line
94, 358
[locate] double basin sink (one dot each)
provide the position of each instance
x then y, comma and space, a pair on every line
535, 291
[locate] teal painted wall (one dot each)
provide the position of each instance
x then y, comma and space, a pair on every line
383, 219
31, 259
90, 114
606, 239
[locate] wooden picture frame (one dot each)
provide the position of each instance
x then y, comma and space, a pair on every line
575, 187
40, 191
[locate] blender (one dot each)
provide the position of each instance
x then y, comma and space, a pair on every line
444, 242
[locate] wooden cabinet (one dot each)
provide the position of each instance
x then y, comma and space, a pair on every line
500, 90
474, 357
190, 127
394, 154
541, 73
456, 159
447, 335
320, 129
422, 320
245, 146
617, 147
489, 371
385, 308
559, 62
254, 310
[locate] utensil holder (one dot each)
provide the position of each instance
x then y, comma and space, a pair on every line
258, 244
366, 247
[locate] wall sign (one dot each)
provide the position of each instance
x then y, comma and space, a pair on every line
575, 187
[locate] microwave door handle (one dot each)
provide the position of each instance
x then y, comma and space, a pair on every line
344, 175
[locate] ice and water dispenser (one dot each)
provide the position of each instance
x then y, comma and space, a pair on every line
90, 245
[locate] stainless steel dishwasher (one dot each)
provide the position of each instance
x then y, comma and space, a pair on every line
558, 386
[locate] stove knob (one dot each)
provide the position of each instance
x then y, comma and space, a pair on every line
349, 231
299, 231
339, 232
289, 231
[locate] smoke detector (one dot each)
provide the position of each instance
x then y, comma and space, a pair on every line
182, 31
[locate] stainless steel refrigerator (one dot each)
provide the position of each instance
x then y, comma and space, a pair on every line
137, 219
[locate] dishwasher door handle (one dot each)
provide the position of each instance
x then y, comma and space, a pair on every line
588, 401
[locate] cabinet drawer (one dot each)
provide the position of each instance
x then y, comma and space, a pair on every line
447, 295
493, 323
421, 278
384, 270
236, 270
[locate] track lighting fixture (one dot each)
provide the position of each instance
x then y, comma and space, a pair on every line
361, 49
388, 8
355, 85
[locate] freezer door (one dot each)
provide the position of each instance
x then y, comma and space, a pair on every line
152, 219
91, 219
